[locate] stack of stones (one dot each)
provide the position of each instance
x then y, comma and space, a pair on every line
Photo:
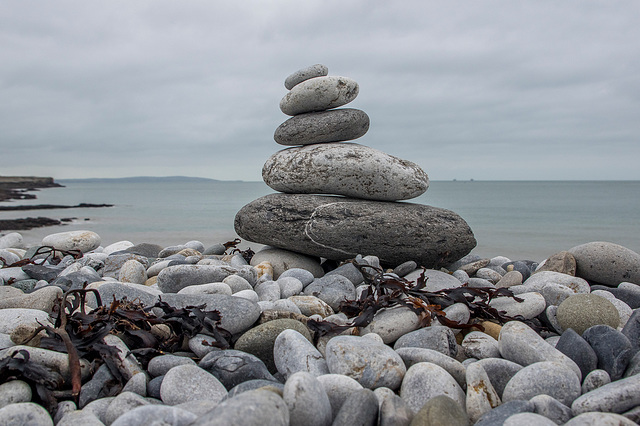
358, 211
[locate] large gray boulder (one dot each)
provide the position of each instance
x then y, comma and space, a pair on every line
340, 228
345, 169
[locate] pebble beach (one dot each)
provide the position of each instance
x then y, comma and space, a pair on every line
273, 340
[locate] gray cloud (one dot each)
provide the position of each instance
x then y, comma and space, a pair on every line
484, 90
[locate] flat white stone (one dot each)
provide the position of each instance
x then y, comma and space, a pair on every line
319, 94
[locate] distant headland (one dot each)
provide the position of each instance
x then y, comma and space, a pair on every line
16, 187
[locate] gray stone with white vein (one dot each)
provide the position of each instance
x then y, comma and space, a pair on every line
340, 228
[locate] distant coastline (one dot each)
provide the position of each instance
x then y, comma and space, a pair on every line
143, 179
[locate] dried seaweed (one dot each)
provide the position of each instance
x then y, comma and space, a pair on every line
246, 254
387, 290
80, 334
50, 254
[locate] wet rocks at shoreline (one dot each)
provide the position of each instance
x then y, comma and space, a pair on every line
276, 368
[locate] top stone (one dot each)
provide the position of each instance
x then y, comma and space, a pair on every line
304, 74
319, 94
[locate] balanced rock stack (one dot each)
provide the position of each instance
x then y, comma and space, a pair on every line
360, 213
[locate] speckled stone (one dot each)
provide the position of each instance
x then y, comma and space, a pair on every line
347, 169
304, 74
426, 380
73, 240
323, 127
412, 356
319, 94
582, 311
520, 344
25, 413
607, 263
370, 363
616, 397
594, 380
480, 345
13, 392
190, 383
549, 378
528, 419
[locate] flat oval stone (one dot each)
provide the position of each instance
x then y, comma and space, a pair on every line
323, 127
436, 280
616, 397
174, 278
549, 378
607, 263
520, 344
340, 228
73, 240
190, 383
319, 94
43, 299
392, 323
345, 169
436, 337
370, 363
424, 381
538, 280
317, 70
582, 311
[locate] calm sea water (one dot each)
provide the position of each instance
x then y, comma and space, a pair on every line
520, 219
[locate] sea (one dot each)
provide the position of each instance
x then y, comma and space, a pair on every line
517, 219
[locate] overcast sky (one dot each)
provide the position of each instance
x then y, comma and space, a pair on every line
466, 89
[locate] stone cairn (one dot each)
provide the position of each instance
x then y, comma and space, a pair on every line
358, 211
